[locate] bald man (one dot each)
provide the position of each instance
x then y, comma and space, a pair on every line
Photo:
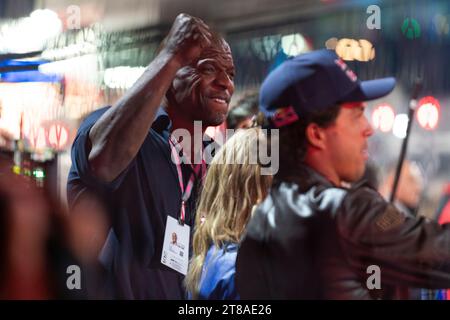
125, 155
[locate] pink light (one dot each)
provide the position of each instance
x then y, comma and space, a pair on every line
428, 113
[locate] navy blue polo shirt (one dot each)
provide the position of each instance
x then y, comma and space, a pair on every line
138, 202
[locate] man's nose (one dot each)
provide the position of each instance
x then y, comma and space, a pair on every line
223, 80
368, 129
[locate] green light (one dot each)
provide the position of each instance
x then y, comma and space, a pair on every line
39, 174
411, 28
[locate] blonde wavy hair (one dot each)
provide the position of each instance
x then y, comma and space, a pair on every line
233, 186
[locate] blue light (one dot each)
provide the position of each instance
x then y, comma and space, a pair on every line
29, 76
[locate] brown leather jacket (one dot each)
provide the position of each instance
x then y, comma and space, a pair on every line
311, 240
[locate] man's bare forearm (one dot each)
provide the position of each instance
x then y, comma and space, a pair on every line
117, 136
119, 133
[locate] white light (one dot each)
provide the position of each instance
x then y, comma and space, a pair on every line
38, 101
70, 51
30, 33
293, 44
122, 77
383, 118
400, 125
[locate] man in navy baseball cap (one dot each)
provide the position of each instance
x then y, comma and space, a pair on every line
313, 238
317, 102
314, 82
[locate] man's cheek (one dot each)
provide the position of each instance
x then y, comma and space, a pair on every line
194, 90
183, 88
183, 82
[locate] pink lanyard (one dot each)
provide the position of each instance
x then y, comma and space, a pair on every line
175, 148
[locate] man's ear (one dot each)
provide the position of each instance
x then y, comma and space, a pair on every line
316, 136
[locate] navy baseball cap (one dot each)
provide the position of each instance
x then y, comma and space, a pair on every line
314, 81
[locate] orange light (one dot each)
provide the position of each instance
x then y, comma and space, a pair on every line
383, 117
428, 113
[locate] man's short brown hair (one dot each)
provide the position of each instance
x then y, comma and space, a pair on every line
293, 141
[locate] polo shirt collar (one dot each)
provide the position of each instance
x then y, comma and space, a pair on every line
162, 121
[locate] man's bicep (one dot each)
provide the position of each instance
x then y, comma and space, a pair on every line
81, 167
80, 158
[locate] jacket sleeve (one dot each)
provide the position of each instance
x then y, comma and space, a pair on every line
409, 251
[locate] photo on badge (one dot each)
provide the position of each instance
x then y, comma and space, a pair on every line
176, 243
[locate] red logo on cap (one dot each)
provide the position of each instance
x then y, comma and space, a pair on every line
284, 116
341, 64
349, 73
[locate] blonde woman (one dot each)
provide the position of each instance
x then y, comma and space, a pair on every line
233, 186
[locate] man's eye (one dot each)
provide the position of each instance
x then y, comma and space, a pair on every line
359, 112
209, 69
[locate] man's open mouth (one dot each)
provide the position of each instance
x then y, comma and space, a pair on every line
219, 100
223, 99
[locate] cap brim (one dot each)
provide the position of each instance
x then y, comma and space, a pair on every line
370, 90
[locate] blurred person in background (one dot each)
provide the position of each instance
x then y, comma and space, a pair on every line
407, 200
442, 215
371, 175
89, 224
409, 189
443, 211
242, 114
233, 186
35, 242
123, 154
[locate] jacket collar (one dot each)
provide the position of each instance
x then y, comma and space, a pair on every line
304, 176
